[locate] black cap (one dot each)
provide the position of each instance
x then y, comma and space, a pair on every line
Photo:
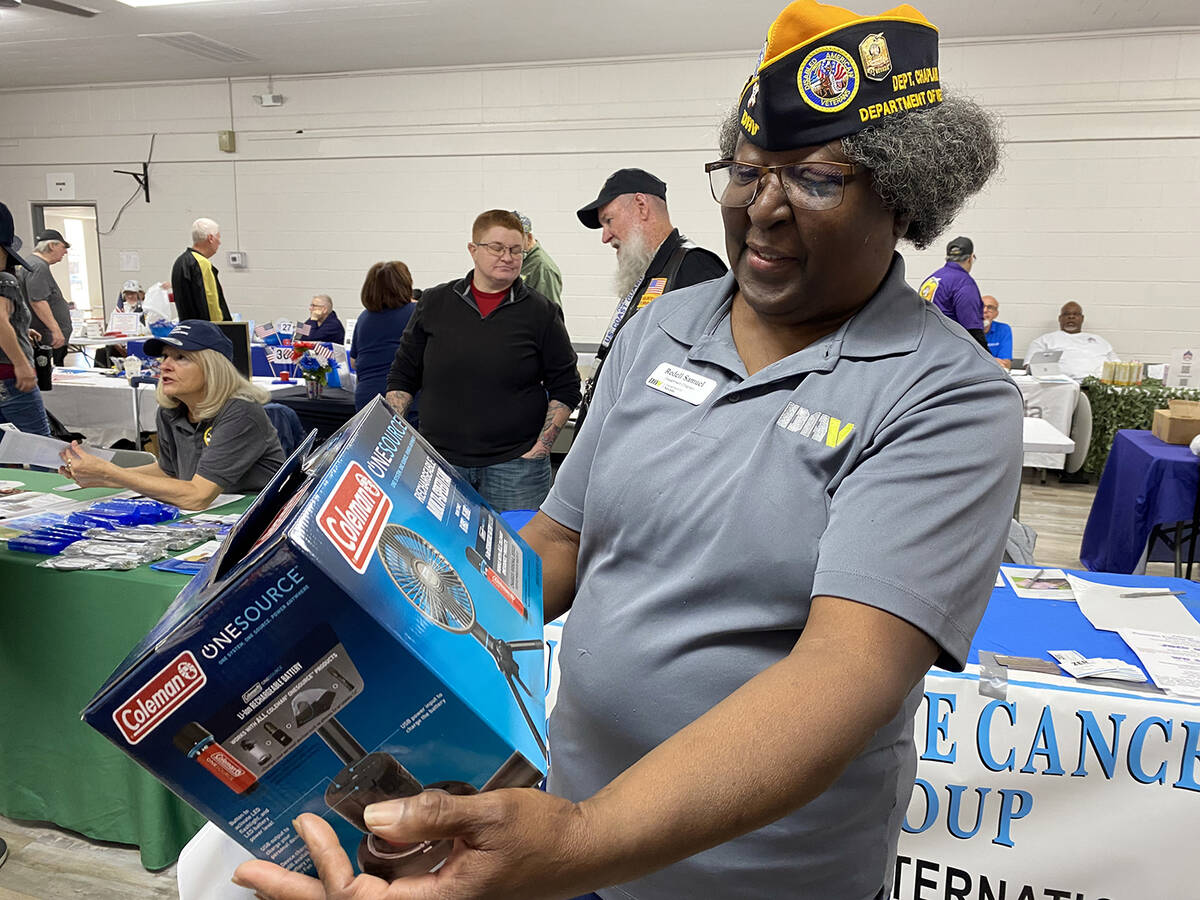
8, 239
192, 334
623, 181
51, 234
826, 72
960, 248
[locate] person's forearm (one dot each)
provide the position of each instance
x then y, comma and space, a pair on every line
10, 344
399, 401
558, 547
41, 309
151, 481
769, 748
1005, 363
557, 414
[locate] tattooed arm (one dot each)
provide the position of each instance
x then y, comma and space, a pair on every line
556, 417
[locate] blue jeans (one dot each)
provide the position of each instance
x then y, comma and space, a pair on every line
516, 484
23, 410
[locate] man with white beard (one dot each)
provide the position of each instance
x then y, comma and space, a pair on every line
652, 256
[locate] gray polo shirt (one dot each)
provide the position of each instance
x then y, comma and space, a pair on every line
878, 464
40, 285
237, 450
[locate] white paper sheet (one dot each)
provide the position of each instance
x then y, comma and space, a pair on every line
1038, 584
1173, 660
1107, 610
24, 449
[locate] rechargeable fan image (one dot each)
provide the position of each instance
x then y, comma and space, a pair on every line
429, 582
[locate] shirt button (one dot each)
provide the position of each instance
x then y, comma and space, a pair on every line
734, 398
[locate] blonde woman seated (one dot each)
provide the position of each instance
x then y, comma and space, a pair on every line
213, 434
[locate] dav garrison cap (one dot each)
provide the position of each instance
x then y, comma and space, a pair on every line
826, 72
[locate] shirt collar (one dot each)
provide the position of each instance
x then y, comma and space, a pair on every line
891, 323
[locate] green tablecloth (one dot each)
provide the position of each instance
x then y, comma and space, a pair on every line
1114, 408
61, 635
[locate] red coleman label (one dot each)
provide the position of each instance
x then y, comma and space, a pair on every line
354, 515
499, 584
236, 777
161, 696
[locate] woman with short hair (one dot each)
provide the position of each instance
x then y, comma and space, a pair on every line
213, 435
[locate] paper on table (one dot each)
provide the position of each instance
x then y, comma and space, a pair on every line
1038, 584
1107, 610
999, 580
24, 449
221, 500
1173, 660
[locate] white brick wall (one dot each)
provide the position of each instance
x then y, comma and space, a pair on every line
1097, 202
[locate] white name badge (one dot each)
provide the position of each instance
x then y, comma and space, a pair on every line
680, 383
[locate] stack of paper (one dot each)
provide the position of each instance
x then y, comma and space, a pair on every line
1078, 666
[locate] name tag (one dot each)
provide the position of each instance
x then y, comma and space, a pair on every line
680, 383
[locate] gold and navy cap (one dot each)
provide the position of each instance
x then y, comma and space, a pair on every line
826, 72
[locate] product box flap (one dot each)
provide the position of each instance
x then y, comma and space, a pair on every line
1183, 409
210, 580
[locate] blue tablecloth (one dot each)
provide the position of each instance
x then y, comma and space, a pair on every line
1145, 483
258, 356
1018, 627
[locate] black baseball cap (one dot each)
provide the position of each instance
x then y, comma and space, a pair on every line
192, 334
623, 181
960, 248
8, 238
51, 234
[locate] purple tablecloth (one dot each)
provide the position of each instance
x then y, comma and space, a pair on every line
1145, 483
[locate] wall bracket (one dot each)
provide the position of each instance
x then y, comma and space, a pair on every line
142, 179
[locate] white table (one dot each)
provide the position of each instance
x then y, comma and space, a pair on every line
1039, 436
1053, 401
103, 409
106, 409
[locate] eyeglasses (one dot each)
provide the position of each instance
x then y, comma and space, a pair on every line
496, 249
815, 185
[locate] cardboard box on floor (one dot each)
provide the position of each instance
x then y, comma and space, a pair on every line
370, 628
1177, 424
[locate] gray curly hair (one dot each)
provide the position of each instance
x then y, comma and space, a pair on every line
924, 164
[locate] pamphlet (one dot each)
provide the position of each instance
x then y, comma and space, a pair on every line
1173, 660
1038, 584
1111, 608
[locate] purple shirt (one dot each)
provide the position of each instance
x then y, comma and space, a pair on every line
952, 290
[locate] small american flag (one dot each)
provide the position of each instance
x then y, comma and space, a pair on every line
302, 330
656, 286
264, 331
323, 352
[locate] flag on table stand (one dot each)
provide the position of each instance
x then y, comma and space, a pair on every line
268, 334
302, 330
324, 352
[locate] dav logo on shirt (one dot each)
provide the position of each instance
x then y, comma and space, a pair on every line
354, 515
159, 697
818, 426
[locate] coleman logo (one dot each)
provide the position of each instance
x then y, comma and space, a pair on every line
820, 427
354, 515
161, 696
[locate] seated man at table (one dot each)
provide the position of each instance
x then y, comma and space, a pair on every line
213, 435
998, 334
323, 323
1083, 354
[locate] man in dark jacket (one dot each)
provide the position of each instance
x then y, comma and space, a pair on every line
197, 289
495, 368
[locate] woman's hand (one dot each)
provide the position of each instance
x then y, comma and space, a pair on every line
83, 468
508, 843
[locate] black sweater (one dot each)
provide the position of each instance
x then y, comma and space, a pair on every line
485, 382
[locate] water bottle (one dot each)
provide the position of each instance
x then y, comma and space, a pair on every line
43, 364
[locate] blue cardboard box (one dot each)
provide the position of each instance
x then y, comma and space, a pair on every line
369, 629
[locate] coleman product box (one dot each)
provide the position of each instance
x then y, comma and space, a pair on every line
1179, 423
369, 629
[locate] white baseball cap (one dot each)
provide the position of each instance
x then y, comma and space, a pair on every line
131, 286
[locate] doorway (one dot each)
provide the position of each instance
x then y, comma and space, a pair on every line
78, 275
